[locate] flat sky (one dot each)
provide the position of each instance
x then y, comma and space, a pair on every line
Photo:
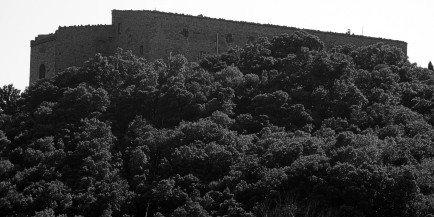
409, 21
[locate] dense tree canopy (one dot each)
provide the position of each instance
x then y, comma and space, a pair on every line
278, 127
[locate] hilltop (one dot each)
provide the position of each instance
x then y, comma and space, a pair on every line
276, 127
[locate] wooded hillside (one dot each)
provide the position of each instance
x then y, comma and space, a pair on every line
278, 127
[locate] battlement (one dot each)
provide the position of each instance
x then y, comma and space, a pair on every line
40, 39
83, 27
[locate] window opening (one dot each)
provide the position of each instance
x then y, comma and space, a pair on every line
42, 71
229, 38
184, 32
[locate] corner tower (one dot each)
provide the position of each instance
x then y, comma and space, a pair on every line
42, 57
68, 46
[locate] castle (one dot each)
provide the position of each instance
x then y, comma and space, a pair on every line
153, 34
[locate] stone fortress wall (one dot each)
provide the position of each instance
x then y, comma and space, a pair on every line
74, 45
153, 35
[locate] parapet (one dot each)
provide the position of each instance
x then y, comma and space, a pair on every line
40, 39
87, 27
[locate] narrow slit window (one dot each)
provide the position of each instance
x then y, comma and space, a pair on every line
229, 38
141, 50
119, 28
42, 71
184, 32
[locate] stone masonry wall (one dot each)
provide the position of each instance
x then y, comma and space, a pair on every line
157, 34
74, 45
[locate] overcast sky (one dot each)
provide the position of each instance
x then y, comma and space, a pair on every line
410, 21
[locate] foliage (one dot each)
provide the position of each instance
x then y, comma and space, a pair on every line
278, 127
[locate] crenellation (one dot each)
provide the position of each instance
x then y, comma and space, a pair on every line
40, 39
155, 34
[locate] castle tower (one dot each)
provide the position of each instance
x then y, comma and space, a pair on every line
42, 57
68, 46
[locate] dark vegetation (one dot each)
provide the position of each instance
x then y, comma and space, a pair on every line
278, 127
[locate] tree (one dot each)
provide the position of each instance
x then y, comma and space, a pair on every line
9, 99
285, 44
430, 66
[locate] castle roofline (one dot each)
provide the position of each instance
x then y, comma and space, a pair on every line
40, 39
252, 23
43, 38
85, 26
